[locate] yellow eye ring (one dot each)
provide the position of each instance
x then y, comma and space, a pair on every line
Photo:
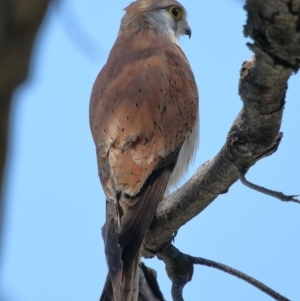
176, 12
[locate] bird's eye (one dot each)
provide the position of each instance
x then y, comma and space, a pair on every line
176, 12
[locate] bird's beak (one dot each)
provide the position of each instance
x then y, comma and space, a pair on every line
188, 30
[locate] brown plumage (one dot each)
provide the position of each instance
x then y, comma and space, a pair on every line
143, 117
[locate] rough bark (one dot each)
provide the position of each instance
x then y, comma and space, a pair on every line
274, 25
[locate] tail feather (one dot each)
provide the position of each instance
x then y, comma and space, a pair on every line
131, 279
127, 222
146, 280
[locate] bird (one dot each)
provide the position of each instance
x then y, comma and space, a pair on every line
144, 121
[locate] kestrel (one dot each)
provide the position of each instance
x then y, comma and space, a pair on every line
145, 125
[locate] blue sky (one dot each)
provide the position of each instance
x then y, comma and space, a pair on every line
53, 248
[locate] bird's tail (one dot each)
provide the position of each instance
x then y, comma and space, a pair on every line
131, 280
147, 283
127, 222
125, 289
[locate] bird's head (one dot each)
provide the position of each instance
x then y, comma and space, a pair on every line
167, 16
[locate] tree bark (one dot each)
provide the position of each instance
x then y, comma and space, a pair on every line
274, 26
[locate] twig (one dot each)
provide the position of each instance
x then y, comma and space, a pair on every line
176, 291
273, 193
241, 275
179, 267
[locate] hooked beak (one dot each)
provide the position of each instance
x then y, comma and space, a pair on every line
187, 30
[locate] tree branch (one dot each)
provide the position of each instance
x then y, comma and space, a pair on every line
276, 194
274, 27
180, 266
255, 132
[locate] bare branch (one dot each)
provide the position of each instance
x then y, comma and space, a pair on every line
148, 286
255, 132
241, 275
273, 193
179, 267
274, 26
